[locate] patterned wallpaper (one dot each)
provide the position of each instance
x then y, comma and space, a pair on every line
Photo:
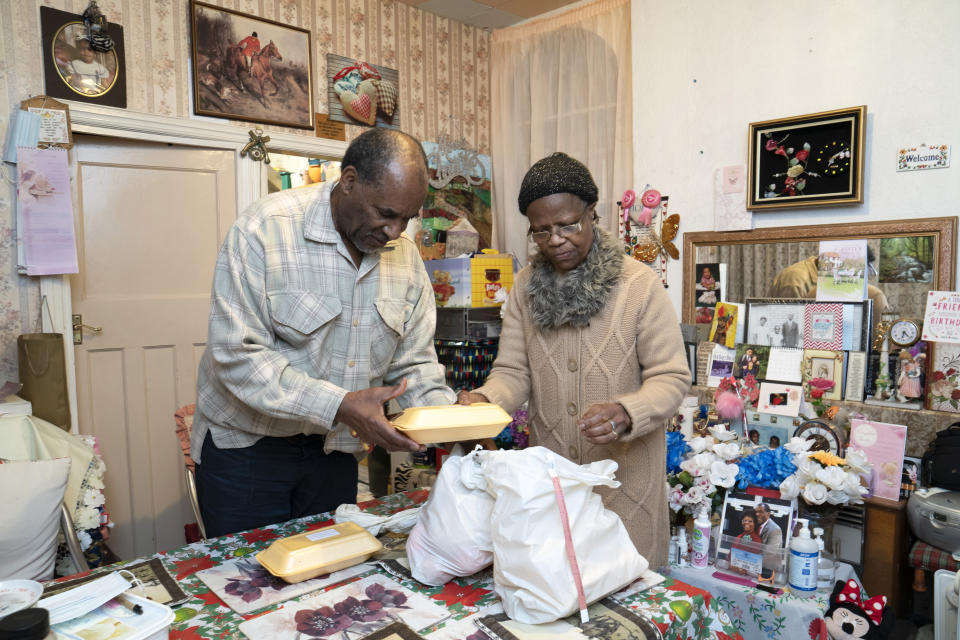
443, 65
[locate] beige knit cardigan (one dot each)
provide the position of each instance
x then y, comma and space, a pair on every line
631, 352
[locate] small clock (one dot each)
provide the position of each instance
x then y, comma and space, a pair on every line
825, 436
904, 332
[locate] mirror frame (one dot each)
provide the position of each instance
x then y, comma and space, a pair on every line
944, 231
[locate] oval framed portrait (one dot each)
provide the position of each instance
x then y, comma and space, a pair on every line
73, 69
85, 71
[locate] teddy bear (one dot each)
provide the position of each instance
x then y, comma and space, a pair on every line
442, 288
848, 618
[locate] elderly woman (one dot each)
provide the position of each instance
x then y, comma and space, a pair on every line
591, 340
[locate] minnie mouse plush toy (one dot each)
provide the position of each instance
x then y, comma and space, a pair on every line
849, 619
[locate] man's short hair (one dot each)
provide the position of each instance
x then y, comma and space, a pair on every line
374, 149
762, 505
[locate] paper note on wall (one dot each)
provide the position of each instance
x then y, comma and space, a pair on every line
46, 211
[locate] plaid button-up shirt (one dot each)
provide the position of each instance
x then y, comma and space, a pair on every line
295, 325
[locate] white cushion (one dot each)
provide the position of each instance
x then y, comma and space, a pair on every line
30, 494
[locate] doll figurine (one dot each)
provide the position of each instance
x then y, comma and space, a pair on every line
908, 382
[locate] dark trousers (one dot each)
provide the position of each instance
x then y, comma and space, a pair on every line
272, 481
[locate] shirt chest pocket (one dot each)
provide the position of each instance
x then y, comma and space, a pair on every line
302, 316
387, 332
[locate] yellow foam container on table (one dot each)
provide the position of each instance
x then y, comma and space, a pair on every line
315, 553
452, 423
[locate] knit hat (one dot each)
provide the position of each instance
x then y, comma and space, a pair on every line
557, 173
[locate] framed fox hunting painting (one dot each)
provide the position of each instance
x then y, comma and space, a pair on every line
250, 68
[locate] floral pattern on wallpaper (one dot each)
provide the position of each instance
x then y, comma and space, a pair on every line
444, 81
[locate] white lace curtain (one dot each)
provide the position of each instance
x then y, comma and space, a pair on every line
561, 84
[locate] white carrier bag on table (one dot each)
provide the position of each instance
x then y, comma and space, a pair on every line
452, 534
532, 568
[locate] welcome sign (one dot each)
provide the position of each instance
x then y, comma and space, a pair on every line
922, 156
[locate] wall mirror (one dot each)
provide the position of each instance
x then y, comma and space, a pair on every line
913, 257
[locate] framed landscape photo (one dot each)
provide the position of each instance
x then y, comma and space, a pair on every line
807, 161
250, 68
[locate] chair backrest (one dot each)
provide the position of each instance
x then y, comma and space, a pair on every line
184, 421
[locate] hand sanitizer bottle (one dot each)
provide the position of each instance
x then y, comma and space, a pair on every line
701, 539
804, 557
826, 568
682, 562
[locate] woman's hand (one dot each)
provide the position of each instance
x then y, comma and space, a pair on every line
469, 397
603, 423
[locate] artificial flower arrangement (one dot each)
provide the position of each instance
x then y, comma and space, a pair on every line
824, 478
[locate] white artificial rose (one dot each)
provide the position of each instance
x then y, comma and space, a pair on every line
815, 493
837, 497
833, 477
857, 459
700, 444
790, 487
721, 433
807, 467
727, 450
798, 445
853, 486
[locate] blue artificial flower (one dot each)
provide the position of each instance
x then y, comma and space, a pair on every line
677, 449
768, 468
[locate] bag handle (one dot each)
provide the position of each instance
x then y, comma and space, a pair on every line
44, 305
46, 359
568, 543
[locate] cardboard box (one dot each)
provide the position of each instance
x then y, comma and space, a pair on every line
470, 282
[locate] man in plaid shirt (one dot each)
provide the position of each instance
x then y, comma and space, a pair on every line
321, 312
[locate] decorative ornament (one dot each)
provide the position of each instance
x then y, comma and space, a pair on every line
96, 24
626, 203
655, 245
650, 201
257, 147
452, 158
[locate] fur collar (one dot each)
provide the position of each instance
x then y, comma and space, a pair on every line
575, 297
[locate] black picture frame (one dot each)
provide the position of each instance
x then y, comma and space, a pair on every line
276, 89
62, 35
811, 160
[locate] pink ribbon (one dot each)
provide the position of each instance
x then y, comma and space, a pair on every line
568, 543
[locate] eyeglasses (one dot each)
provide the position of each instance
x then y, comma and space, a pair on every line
567, 230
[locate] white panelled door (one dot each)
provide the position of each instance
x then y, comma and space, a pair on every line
150, 220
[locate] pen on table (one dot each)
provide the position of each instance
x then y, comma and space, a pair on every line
137, 609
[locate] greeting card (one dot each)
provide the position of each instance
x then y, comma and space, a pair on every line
941, 320
842, 270
883, 445
943, 386
780, 399
823, 326
724, 328
244, 585
350, 612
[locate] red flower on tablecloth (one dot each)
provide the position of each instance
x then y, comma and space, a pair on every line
361, 610
452, 593
190, 566
690, 590
321, 622
320, 524
186, 634
725, 636
818, 630
259, 535
209, 598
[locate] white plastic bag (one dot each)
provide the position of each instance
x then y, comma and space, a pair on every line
452, 535
531, 571
400, 522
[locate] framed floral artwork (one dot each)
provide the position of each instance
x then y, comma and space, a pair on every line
807, 161
823, 374
943, 377
250, 68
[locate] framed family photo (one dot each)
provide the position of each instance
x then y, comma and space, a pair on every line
75, 71
806, 161
250, 68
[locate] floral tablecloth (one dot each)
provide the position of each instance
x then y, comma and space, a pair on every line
678, 609
758, 615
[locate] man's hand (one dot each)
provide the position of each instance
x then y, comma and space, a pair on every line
362, 411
